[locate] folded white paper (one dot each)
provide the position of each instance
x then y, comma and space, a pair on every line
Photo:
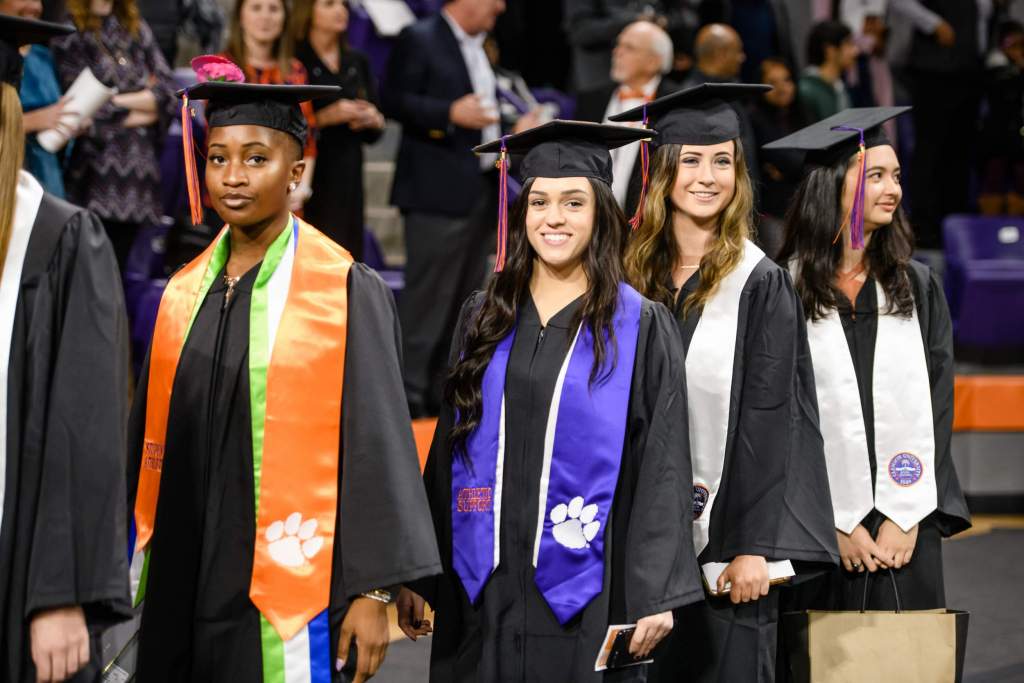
778, 572
84, 98
389, 17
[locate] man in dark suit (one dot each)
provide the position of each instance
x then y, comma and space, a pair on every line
441, 88
642, 55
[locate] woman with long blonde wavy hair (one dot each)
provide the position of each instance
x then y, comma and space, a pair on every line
760, 495
64, 381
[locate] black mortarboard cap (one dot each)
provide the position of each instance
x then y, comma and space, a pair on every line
566, 149
837, 138
701, 115
250, 104
557, 149
17, 31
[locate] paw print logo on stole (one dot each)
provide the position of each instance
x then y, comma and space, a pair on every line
292, 542
574, 524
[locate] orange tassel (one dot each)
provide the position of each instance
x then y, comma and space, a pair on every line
195, 204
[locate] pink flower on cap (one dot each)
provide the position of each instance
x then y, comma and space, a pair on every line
215, 68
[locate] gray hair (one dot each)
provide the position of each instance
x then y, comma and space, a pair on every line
662, 46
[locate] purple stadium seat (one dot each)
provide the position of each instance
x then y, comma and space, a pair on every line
984, 282
373, 256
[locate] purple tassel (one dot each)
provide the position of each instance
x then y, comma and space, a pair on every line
856, 218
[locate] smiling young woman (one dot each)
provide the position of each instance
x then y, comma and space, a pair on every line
274, 367
560, 462
877, 321
760, 486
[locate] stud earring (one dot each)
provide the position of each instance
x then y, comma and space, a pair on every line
291, 187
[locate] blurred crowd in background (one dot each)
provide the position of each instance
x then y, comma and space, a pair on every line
453, 74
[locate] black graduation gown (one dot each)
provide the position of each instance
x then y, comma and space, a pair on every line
198, 623
512, 635
920, 583
774, 498
63, 537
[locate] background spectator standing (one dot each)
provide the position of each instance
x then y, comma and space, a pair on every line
944, 76
830, 52
642, 56
441, 88
113, 170
41, 100
1002, 132
345, 123
259, 42
773, 116
593, 26
764, 27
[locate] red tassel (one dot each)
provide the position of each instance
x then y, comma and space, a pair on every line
499, 261
645, 167
191, 171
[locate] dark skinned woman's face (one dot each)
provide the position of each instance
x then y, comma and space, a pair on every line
248, 171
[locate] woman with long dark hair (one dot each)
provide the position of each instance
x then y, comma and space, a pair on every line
760, 494
879, 329
63, 329
346, 122
559, 474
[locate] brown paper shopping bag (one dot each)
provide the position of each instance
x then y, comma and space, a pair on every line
852, 647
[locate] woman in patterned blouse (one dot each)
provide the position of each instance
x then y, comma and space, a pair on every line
114, 167
259, 43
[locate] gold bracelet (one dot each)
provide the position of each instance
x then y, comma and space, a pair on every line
380, 595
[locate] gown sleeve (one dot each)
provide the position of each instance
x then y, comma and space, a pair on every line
661, 571
777, 500
384, 522
952, 515
78, 554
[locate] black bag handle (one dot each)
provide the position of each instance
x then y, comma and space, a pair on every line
895, 590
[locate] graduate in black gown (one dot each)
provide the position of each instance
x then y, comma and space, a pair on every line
579, 466
760, 496
64, 361
879, 329
216, 551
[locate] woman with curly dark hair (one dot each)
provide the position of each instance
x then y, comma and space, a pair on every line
559, 474
760, 492
878, 328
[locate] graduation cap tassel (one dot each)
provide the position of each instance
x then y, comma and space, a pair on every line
191, 172
855, 219
645, 166
499, 261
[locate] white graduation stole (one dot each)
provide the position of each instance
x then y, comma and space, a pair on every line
905, 489
28, 196
709, 365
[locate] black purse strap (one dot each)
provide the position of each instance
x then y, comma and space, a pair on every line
895, 591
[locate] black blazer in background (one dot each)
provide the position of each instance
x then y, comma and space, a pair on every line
591, 106
436, 170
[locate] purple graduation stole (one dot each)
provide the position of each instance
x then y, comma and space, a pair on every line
582, 452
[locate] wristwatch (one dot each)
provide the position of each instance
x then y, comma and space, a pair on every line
380, 595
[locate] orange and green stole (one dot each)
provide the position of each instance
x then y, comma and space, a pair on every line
297, 325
